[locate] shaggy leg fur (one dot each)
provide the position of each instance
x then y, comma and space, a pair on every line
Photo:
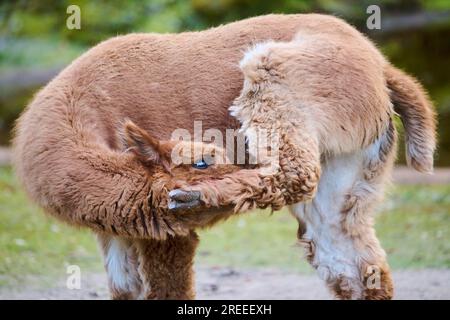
275, 184
337, 230
291, 173
149, 269
166, 267
121, 264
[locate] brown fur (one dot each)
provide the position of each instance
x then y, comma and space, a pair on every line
66, 148
66, 151
171, 259
72, 163
418, 116
325, 96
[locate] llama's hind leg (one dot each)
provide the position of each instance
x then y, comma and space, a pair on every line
166, 267
338, 228
353, 264
357, 218
121, 264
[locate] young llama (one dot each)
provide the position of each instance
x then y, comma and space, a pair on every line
336, 149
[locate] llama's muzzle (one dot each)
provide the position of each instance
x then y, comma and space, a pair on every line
183, 200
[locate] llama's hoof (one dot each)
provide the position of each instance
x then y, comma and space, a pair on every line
183, 200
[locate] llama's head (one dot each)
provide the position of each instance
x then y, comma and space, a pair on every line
188, 176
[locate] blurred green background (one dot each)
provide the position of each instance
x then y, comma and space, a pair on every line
35, 42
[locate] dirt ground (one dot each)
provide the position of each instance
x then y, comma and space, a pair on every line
266, 284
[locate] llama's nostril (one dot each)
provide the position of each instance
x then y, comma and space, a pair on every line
184, 196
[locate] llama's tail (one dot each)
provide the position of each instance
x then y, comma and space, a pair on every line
411, 102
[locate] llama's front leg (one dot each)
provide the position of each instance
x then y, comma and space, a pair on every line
121, 263
288, 176
166, 266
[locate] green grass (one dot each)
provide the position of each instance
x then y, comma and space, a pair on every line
33, 243
256, 239
413, 225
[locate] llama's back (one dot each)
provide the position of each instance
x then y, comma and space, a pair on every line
65, 147
161, 82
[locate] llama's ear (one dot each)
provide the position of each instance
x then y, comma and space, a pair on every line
137, 140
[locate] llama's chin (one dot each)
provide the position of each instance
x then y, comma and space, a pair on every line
175, 205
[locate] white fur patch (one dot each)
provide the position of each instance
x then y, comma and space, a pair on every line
255, 52
335, 254
372, 152
116, 263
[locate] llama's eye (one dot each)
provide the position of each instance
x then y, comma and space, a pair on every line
200, 165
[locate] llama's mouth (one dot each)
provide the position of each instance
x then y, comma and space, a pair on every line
183, 200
